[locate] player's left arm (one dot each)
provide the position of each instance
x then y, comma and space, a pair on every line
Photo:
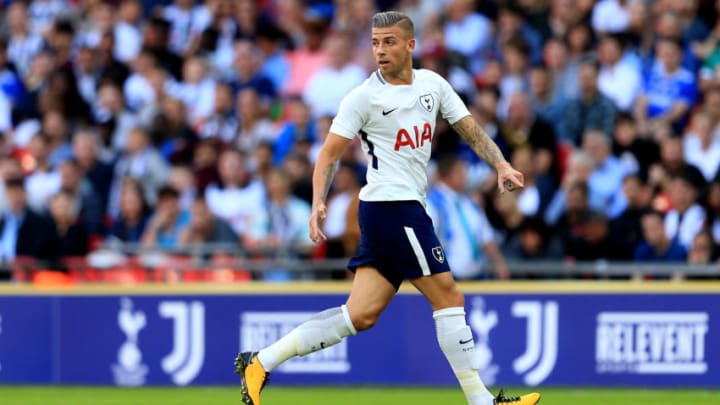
480, 142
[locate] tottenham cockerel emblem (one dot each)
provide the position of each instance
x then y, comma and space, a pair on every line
438, 254
427, 101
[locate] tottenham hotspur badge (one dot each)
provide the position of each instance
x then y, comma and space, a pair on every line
427, 101
438, 254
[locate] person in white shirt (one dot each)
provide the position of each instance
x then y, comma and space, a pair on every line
332, 82
687, 217
462, 226
23, 44
394, 111
618, 78
237, 197
127, 34
701, 145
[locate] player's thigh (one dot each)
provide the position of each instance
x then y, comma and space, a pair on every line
440, 290
370, 294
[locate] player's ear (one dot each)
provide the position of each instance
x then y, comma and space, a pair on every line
411, 44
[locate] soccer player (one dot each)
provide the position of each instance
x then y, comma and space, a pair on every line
394, 113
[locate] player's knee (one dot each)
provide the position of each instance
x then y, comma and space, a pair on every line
365, 320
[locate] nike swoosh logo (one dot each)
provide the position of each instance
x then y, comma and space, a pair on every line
462, 342
389, 111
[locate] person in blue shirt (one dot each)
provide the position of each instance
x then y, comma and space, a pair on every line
669, 89
657, 247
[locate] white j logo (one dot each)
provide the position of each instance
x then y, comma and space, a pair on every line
188, 354
542, 326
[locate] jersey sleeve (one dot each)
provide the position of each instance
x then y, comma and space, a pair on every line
452, 107
351, 115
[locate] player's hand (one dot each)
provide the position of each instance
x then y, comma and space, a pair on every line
509, 179
319, 212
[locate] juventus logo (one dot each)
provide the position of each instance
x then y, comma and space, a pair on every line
540, 355
188, 353
427, 101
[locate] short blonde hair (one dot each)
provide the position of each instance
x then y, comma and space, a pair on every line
394, 18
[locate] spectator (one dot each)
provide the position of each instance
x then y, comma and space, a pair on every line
329, 84
534, 242
702, 250
237, 196
139, 161
183, 180
72, 233
196, 89
511, 24
9, 169
687, 217
341, 226
657, 247
87, 74
462, 227
272, 41
170, 131
23, 44
594, 241
255, 126
606, 178
134, 212
126, 32
247, 63
669, 90
113, 117
701, 145
467, 32
618, 79
156, 38
44, 181
563, 72
182, 16
636, 153
24, 232
610, 16
626, 227
307, 59
167, 222
299, 128
592, 110
712, 207
204, 227
515, 78
86, 152
546, 103
55, 128
221, 123
86, 203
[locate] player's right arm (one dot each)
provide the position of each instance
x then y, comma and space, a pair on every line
323, 174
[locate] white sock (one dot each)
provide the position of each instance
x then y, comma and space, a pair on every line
456, 341
324, 329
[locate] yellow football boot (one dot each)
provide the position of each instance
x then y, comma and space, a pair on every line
253, 377
529, 399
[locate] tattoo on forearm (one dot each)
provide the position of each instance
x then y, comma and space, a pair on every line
479, 141
328, 177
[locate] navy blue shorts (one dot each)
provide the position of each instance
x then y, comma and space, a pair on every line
398, 239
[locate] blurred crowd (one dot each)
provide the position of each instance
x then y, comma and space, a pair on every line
170, 124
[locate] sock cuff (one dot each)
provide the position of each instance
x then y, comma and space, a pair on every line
448, 312
348, 320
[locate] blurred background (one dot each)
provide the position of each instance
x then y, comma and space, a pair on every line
171, 137
155, 143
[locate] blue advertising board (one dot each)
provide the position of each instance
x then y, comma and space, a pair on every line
658, 340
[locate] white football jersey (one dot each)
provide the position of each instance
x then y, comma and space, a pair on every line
396, 124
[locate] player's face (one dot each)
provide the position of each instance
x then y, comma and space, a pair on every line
392, 50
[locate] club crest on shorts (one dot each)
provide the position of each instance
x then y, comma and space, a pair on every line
427, 101
438, 254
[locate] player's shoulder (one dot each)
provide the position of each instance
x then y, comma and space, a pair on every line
430, 75
364, 88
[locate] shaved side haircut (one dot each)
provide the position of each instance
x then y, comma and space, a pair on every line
394, 18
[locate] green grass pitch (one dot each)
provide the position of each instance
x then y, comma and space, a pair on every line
337, 396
